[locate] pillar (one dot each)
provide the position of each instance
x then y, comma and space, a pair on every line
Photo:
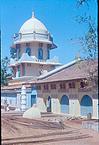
23, 98
55, 105
74, 107
16, 72
18, 102
95, 109
41, 105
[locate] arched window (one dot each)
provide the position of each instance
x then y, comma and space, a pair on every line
18, 53
40, 53
49, 104
18, 71
28, 51
64, 102
48, 54
86, 105
18, 50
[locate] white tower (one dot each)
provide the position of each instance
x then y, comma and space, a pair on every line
32, 44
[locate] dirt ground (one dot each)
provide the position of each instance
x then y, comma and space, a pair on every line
49, 130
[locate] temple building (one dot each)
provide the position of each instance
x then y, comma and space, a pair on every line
41, 80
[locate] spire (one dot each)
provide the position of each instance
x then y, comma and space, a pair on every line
33, 14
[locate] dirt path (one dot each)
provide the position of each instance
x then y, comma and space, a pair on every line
20, 131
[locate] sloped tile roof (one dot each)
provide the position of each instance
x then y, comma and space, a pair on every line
74, 70
77, 70
14, 87
25, 57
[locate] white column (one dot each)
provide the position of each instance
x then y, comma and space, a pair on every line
18, 102
41, 105
23, 98
16, 72
74, 107
55, 105
95, 109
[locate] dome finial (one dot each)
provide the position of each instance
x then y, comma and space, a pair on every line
33, 14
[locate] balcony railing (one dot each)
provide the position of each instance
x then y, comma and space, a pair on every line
33, 36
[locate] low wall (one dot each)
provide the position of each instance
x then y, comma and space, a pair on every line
94, 125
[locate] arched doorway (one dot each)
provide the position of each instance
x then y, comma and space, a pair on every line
33, 95
64, 104
40, 53
49, 104
86, 105
33, 100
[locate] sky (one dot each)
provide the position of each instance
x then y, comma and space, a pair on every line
59, 16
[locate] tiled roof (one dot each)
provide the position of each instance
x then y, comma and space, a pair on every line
59, 69
25, 57
75, 71
21, 81
14, 87
32, 59
71, 71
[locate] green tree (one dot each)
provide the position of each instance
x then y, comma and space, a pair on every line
4, 71
13, 52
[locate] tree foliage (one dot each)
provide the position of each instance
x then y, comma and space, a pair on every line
89, 45
82, 2
89, 42
13, 52
4, 71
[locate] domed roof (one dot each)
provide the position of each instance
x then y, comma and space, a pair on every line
32, 25
33, 30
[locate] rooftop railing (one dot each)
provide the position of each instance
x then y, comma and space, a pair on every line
34, 36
